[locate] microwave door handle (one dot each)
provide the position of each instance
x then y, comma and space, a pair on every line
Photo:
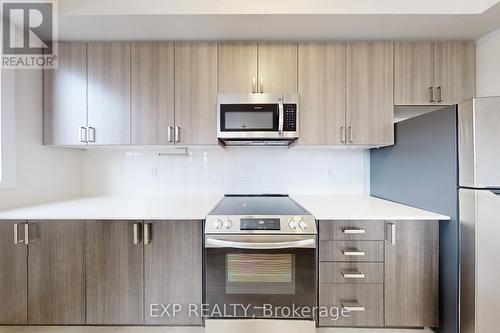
280, 115
304, 243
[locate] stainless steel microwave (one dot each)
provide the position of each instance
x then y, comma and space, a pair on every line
257, 119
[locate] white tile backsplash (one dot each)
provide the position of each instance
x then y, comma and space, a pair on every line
235, 170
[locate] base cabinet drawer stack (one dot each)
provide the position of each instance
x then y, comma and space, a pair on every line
379, 273
351, 255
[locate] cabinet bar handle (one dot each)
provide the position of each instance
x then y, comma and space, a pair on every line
431, 89
261, 86
16, 235
91, 134
351, 134
353, 275
254, 85
169, 134
342, 134
136, 234
440, 98
391, 230
353, 253
353, 306
83, 134
26, 234
177, 134
353, 231
147, 233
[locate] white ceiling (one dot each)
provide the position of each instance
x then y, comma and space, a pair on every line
324, 19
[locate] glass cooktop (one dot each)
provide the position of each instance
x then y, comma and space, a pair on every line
266, 204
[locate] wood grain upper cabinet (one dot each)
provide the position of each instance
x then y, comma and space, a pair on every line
173, 269
434, 73
454, 71
237, 67
412, 274
414, 73
257, 68
152, 93
321, 87
65, 97
369, 95
114, 273
195, 93
277, 67
108, 93
56, 273
13, 274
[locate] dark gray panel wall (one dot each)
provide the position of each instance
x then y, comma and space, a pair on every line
420, 170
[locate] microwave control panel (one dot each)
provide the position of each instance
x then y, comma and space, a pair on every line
290, 117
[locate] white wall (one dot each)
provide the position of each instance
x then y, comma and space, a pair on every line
488, 65
42, 173
218, 171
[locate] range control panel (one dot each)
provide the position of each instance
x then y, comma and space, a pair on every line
260, 224
290, 117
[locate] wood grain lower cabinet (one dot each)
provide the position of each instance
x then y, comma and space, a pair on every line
114, 273
412, 274
173, 269
13, 276
56, 273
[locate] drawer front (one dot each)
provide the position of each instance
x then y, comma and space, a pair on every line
351, 272
351, 251
351, 230
366, 300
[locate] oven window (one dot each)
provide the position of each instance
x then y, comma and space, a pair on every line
248, 117
249, 120
260, 273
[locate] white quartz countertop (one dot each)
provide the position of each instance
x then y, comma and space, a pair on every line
147, 207
361, 207
197, 207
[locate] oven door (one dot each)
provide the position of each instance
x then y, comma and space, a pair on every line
260, 276
250, 116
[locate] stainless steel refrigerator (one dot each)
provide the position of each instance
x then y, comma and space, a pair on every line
448, 161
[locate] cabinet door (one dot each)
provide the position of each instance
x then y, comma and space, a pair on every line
322, 93
455, 71
114, 273
238, 67
109, 93
173, 270
196, 93
414, 73
277, 67
56, 273
412, 274
13, 276
369, 96
65, 97
152, 93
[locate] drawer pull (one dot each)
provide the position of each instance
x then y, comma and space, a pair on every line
353, 275
354, 231
353, 306
351, 252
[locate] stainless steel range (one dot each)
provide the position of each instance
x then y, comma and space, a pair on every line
260, 255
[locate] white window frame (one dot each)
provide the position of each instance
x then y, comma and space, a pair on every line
7, 129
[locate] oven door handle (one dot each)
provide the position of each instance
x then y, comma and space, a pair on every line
281, 115
303, 243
